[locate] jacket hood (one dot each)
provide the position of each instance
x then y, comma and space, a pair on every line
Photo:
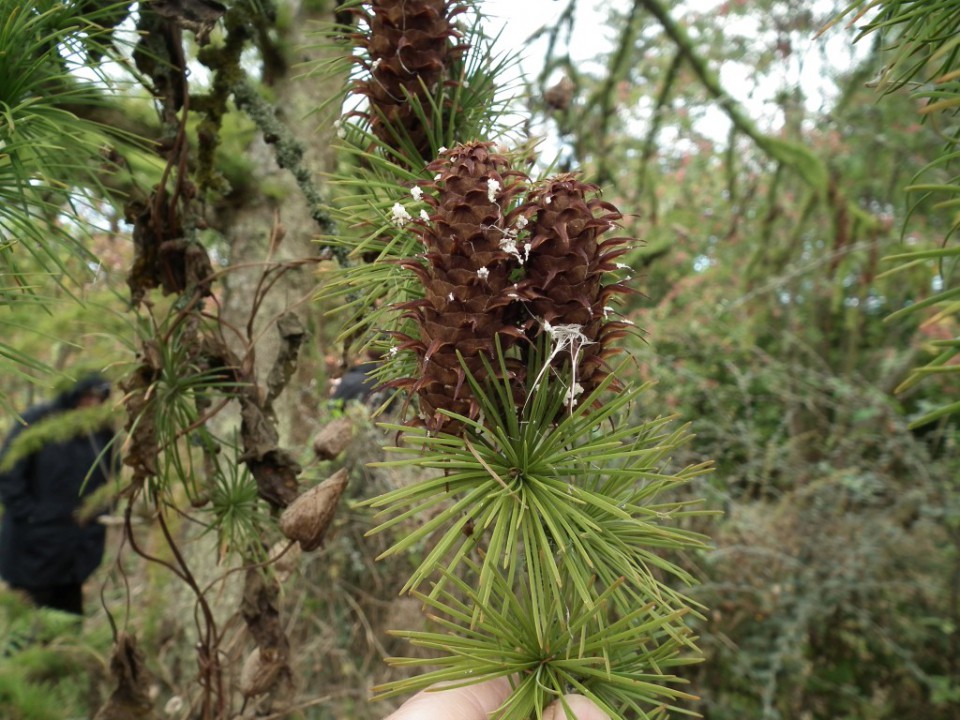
90, 383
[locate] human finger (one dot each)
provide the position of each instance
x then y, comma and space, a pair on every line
582, 708
472, 702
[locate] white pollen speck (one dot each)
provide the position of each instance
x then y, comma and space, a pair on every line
572, 394
174, 705
483, 273
509, 245
522, 222
493, 187
450, 297
417, 193
399, 215
425, 216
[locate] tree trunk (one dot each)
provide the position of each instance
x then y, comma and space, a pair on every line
249, 227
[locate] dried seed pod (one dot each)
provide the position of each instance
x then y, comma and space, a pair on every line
559, 96
133, 695
285, 559
333, 438
308, 517
259, 673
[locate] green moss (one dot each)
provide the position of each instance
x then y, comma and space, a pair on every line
316, 6
232, 158
24, 700
48, 665
273, 189
57, 428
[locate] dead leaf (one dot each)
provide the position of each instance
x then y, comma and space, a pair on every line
292, 334
131, 698
199, 16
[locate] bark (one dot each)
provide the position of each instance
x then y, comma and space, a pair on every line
281, 227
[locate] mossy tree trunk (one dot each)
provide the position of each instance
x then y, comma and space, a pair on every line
275, 207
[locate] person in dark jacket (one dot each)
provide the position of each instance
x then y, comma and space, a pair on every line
358, 383
361, 384
45, 549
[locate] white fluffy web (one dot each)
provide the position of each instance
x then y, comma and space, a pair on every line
568, 337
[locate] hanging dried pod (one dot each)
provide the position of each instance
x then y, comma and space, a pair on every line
308, 517
260, 672
131, 698
285, 559
333, 438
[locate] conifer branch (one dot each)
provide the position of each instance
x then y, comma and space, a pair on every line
288, 150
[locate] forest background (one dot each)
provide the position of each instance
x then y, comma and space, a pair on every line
773, 321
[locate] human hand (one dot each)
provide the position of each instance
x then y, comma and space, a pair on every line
476, 702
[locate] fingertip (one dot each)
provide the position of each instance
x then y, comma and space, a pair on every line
470, 702
581, 708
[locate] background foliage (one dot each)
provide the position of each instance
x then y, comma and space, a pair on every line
766, 211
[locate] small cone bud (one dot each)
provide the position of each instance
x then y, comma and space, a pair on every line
568, 280
469, 298
560, 95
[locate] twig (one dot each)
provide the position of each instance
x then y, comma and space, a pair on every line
656, 122
798, 157
618, 67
